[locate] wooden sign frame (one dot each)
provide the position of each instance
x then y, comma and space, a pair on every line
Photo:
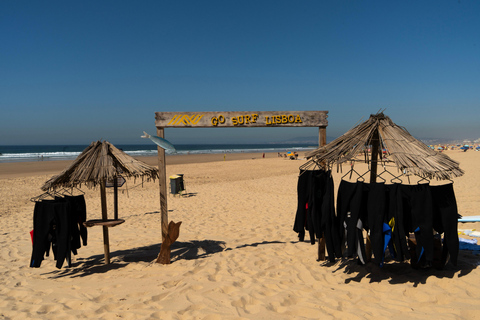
241, 119
229, 119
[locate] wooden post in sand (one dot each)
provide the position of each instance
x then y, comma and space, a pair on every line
172, 235
375, 142
115, 198
106, 242
322, 140
322, 136
162, 181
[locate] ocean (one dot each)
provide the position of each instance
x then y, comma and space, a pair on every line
70, 152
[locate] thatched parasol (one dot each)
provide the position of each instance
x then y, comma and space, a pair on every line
410, 155
98, 163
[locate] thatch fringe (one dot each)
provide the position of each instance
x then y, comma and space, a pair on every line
410, 155
100, 161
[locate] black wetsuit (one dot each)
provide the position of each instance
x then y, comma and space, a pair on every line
395, 210
352, 213
445, 219
323, 212
303, 218
51, 225
418, 216
377, 215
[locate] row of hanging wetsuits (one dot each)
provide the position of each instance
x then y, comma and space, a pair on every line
389, 212
58, 224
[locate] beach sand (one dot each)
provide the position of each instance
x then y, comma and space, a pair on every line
237, 256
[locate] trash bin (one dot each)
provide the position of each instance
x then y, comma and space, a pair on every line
176, 184
182, 183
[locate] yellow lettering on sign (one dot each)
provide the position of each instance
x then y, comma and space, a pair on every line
216, 120
281, 119
244, 119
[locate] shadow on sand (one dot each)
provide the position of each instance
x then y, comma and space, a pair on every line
402, 272
195, 249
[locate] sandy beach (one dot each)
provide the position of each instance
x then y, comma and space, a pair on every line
237, 256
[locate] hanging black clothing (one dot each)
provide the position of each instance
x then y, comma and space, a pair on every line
316, 210
303, 218
78, 211
51, 224
395, 211
377, 215
352, 207
445, 220
323, 212
418, 216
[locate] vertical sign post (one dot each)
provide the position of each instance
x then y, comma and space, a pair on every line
162, 181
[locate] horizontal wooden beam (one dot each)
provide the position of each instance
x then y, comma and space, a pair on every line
241, 119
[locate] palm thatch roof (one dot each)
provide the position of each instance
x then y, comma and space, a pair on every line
101, 161
410, 155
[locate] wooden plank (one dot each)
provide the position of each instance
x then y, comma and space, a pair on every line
241, 119
162, 181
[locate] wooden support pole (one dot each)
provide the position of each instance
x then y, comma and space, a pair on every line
106, 243
322, 140
115, 198
322, 136
375, 145
162, 181
321, 248
374, 162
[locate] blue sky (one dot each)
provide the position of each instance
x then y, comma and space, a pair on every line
77, 71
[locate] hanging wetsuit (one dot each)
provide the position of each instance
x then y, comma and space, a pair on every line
395, 211
323, 212
303, 217
418, 217
51, 225
377, 209
351, 212
445, 220
78, 211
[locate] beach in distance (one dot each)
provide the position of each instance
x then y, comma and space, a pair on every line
237, 256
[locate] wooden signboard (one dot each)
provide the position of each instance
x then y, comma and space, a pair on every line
227, 119
241, 119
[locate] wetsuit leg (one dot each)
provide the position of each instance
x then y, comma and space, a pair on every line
346, 191
445, 219
62, 232
302, 199
329, 221
43, 219
396, 212
421, 217
376, 218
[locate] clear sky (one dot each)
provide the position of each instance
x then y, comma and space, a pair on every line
72, 72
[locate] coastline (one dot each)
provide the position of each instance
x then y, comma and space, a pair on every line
21, 169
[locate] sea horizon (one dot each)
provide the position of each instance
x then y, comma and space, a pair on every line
31, 153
